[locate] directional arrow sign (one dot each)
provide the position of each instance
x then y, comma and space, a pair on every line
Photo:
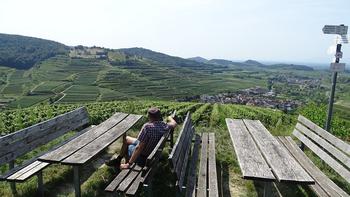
335, 29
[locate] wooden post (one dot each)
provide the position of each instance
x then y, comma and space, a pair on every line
172, 138
267, 189
12, 184
77, 181
40, 183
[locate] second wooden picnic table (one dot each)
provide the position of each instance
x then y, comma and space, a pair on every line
262, 157
82, 149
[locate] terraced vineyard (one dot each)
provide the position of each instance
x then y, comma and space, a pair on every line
206, 117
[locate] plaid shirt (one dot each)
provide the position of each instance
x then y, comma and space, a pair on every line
150, 134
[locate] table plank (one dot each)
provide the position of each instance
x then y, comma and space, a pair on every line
87, 152
251, 162
283, 165
81, 141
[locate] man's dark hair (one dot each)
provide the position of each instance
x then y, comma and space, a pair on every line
154, 113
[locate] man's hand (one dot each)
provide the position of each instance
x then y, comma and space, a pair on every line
124, 166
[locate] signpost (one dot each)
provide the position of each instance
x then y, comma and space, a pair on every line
340, 30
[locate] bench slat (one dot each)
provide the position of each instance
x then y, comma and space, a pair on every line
86, 153
30, 172
23, 170
251, 162
323, 155
136, 170
26, 140
39, 128
117, 180
181, 165
213, 184
192, 175
282, 163
324, 144
326, 135
202, 175
178, 145
329, 187
135, 185
74, 145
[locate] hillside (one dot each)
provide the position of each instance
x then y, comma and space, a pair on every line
23, 52
89, 74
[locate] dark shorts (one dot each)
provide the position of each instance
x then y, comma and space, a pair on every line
141, 160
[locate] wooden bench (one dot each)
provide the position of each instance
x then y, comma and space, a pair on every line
128, 181
329, 148
205, 184
19, 143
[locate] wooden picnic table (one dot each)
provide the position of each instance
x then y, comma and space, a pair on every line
262, 157
82, 149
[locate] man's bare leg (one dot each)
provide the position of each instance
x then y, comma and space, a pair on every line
123, 151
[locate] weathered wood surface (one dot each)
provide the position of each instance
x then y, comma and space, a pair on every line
213, 179
324, 144
128, 180
87, 152
341, 170
250, 160
28, 171
30, 162
178, 144
202, 174
324, 186
345, 147
192, 175
117, 180
84, 139
181, 165
25, 140
284, 166
135, 185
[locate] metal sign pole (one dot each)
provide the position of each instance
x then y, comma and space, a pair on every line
340, 30
331, 98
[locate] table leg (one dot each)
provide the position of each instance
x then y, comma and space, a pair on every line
13, 184
40, 183
267, 189
77, 181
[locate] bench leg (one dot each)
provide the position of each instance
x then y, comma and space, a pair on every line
12, 184
267, 189
40, 183
77, 181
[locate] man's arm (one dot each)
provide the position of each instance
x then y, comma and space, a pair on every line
172, 123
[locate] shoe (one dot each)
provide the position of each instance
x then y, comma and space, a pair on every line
113, 162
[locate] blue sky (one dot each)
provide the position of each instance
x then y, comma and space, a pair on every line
266, 30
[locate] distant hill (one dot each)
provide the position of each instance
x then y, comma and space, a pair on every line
199, 59
23, 52
291, 67
254, 63
225, 62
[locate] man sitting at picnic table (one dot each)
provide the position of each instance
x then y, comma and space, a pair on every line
137, 150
